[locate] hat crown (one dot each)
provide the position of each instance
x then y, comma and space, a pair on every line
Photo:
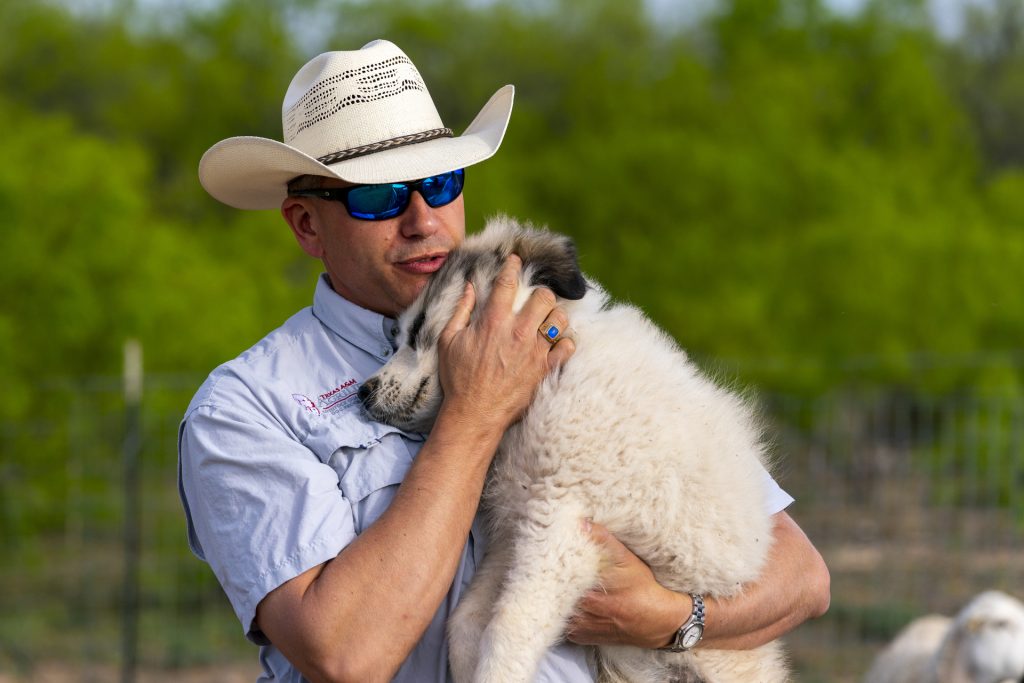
347, 100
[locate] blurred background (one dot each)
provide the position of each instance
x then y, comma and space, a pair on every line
822, 201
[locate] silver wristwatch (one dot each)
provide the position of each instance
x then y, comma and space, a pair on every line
692, 630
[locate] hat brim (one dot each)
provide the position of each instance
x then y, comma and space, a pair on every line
250, 172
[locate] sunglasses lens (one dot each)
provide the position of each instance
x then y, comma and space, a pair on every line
378, 202
442, 189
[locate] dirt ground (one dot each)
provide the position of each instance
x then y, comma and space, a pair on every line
64, 673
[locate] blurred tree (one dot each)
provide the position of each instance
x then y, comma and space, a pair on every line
987, 69
70, 239
173, 87
87, 264
802, 195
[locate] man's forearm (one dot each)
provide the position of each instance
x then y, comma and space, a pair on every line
794, 587
358, 616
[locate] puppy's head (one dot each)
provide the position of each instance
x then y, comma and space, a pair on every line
406, 392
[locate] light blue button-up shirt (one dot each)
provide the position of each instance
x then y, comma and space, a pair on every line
279, 470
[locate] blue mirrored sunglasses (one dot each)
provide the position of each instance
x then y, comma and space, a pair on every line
380, 202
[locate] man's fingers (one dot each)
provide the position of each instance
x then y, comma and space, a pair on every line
537, 308
555, 325
611, 546
560, 353
503, 293
460, 317
598, 532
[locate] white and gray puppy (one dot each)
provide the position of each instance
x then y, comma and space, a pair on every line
628, 432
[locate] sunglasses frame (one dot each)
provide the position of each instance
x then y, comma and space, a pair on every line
340, 194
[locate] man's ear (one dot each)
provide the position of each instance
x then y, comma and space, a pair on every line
297, 215
552, 261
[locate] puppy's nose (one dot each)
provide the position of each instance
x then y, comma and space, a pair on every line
368, 389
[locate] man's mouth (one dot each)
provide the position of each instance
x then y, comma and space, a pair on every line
427, 264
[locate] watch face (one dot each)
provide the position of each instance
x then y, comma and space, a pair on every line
691, 636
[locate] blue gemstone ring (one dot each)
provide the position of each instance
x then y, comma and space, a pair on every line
550, 332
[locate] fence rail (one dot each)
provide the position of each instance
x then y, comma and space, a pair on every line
914, 502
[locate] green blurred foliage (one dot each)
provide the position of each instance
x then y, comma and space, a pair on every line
804, 198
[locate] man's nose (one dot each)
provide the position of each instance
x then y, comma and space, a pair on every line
419, 220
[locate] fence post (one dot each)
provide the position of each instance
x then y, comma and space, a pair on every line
132, 524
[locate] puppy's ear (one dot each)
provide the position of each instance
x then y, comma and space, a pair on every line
553, 264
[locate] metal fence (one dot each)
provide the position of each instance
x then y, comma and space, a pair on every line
914, 502
80, 600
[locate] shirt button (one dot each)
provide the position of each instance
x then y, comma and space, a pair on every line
386, 352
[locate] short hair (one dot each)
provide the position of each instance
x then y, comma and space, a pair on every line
306, 182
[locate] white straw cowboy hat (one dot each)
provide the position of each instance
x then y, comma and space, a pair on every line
363, 116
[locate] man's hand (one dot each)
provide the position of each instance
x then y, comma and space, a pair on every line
630, 606
491, 368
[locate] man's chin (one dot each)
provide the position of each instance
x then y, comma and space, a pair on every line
404, 298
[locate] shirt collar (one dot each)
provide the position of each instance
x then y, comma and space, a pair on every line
370, 331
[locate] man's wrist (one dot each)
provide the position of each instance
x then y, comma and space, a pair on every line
691, 630
481, 416
466, 426
676, 609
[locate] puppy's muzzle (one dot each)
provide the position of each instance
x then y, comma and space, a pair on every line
368, 390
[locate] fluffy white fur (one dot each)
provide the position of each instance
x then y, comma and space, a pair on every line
984, 643
629, 433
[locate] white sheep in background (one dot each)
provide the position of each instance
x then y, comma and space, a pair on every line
984, 643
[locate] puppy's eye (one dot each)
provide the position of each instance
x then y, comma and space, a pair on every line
414, 329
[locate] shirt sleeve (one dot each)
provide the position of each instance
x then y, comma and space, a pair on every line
776, 499
261, 508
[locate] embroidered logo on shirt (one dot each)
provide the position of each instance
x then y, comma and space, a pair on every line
345, 395
341, 397
307, 403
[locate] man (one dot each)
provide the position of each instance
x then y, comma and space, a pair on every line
293, 497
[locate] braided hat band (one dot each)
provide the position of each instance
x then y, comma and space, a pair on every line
329, 159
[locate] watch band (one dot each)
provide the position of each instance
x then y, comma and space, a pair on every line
692, 630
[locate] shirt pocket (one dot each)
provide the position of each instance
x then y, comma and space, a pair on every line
367, 456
